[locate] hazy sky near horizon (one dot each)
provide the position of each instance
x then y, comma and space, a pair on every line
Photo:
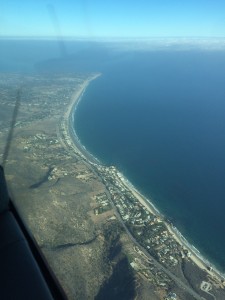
113, 18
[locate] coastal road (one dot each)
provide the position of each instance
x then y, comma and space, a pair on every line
178, 281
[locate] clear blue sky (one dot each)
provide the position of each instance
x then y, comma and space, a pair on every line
113, 18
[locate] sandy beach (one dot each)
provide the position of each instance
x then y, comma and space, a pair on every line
200, 261
196, 257
176, 235
68, 121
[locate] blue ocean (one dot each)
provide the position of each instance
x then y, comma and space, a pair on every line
158, 116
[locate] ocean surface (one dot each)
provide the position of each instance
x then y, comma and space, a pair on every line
159, 117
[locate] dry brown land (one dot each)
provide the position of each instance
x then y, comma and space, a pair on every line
56, 192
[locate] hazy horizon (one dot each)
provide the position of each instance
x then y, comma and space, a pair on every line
121, 19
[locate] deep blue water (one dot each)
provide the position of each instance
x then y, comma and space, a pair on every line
160, 118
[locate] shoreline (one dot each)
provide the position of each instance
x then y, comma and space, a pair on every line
196, 257
67, 123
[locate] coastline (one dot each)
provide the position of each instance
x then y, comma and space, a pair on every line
67, 124
196, 256
75, 143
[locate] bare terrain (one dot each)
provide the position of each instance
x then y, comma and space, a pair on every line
68, 206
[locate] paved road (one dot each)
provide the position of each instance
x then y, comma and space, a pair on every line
178, 281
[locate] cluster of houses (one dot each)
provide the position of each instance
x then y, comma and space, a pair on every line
148, 229
103, 203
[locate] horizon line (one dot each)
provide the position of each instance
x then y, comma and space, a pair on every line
113, 38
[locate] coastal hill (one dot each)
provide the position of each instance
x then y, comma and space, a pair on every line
102, 239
